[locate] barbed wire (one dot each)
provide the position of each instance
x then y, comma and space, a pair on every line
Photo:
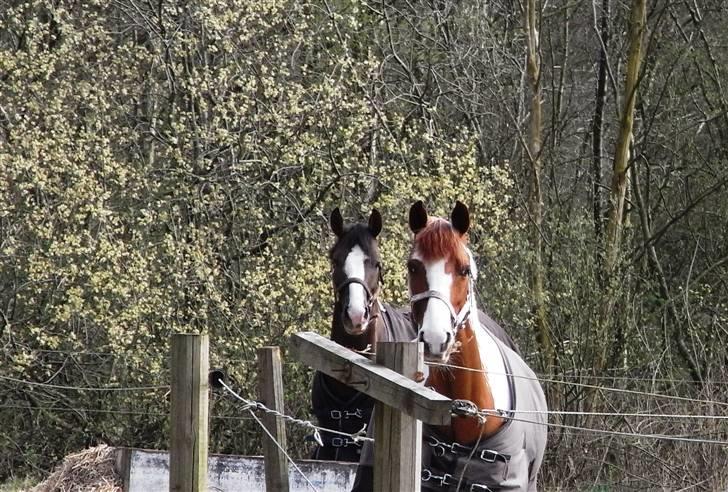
569, 374
552, 375
278, 445
251, 405
64, 352
357, 437
485, 413
632, 379
82, 410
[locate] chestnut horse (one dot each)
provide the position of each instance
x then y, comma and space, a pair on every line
359, 320
467, 362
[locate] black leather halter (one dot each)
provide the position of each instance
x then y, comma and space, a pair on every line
371, 298
353, 280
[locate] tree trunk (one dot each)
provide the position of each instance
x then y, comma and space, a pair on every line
535, 198
621, 155
598, 120
618, 191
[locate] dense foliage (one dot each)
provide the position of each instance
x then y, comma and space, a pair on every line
169, 166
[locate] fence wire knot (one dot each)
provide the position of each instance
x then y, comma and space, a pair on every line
466, 408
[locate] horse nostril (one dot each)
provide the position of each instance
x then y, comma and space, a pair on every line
443, 347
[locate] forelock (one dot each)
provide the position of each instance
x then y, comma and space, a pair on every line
356, 235
439, 240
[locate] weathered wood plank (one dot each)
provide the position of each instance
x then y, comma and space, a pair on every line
380, 383
397, 437
189, 425
270, 392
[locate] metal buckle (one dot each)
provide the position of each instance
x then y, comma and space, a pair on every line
427, 475
335, 414
344, 442
444, 480
489, 456
356, 413
438, 447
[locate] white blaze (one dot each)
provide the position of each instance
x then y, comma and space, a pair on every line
436, 323
354, 268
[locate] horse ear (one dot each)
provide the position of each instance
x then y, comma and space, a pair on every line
375, 222
460, 218
336, 221
417, 217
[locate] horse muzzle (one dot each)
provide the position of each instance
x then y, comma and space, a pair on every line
437, 351
355, 323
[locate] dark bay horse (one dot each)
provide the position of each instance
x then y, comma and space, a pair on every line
359, 320
467, 362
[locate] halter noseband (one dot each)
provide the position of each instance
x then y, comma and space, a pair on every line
353, 280
371, 298
457, 320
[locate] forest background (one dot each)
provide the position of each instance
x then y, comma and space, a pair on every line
169, 167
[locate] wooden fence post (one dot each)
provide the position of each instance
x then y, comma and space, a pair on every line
397, 437
270, 393
189, 426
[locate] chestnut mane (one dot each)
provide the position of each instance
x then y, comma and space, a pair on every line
439, 240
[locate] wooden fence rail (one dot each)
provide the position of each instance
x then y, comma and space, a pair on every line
382, 384
401, 403
402, 406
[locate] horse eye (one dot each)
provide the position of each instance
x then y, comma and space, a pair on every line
465, 271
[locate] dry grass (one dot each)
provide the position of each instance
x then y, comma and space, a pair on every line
86, 471
17, 485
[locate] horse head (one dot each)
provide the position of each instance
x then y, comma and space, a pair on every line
441, 279
356, 273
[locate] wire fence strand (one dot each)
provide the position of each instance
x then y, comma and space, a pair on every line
108, 411
85, 388
358, 437
584, 385
507, 414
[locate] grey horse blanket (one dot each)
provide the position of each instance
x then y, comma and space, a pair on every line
507, 460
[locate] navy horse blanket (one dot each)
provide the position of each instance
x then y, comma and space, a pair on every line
338, 407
